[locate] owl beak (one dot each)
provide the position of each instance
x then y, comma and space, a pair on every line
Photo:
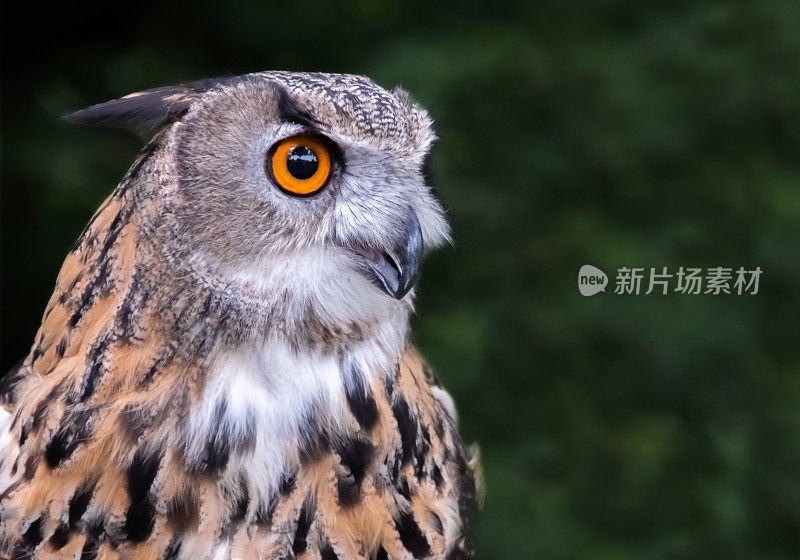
394, 270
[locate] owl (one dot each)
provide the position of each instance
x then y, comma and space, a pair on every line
224, 368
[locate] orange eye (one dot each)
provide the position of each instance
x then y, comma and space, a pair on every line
299, 165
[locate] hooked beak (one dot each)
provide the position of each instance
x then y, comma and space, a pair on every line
394, 270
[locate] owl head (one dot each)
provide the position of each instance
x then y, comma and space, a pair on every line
298, 190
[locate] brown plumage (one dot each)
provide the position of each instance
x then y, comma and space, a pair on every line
148, 420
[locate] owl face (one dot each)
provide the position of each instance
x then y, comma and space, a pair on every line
308, 188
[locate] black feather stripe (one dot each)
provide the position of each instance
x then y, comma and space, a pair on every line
360, 399
140, 520
411, 535
8, 384
43, 406
288, 483
95, 367
355, 455
103, 264
407, 425
79, 502
140, 516
142, 472
33, 535
327, 553
60, 537
304, 520
74, 429
89, 551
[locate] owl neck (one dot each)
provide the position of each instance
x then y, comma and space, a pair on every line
204, 316
306, 314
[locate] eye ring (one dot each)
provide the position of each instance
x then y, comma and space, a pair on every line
299, 165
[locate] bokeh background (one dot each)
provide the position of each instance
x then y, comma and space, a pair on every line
611, 133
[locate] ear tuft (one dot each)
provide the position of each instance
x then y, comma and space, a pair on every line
144, 110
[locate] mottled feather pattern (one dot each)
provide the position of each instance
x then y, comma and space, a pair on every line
133, 432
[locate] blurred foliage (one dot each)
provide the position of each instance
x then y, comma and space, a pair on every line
611, 133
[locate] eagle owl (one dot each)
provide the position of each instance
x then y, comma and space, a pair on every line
223, 369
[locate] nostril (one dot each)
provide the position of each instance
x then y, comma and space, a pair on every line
394, 262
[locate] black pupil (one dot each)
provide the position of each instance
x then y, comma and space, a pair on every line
302, 162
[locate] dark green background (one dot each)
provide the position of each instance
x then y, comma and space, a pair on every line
616, 134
